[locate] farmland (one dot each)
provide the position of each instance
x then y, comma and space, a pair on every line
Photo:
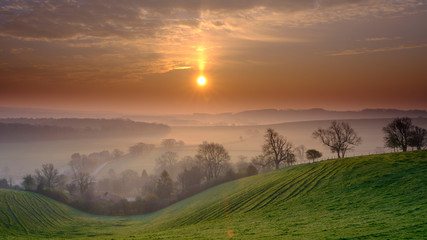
378, 196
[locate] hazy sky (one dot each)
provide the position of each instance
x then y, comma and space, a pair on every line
145, 55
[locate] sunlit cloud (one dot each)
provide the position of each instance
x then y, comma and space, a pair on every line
376, 50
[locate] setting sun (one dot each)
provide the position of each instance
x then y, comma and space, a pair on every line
201, 81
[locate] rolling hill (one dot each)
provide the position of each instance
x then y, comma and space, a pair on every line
49, 129
377, 196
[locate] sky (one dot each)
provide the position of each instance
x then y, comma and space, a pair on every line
145, 56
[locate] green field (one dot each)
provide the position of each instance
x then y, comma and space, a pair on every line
378, 196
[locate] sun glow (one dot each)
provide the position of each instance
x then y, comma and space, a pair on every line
201, 81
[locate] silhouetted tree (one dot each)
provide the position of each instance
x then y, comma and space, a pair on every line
84, 182
397, 133
49, 177
313, 154
29, 182
339, 137
164, 186
277, 149
81, 178
213, 158
4, 183
418, 138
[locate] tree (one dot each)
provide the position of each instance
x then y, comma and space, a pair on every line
117, 154
339, 137
313, 154
81, 178
190, 178
164, 186
168, 161
84, 182
418, 138
300, 152
144, 176
251, 170
49, 177
4, 183
397, 133
241, 165
129, 181
213, 158
140, 148
169, 143
262, 163
29, 182
277, 149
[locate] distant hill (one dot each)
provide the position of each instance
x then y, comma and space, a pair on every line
270, 115
379, 196
250, 117
30, 129
273, 116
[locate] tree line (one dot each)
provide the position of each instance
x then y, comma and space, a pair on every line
175, 179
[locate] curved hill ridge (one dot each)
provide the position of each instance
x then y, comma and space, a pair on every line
378, 196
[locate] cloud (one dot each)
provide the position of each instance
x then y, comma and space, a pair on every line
72, 19
377, 50
171, 29
20, 50
376, 39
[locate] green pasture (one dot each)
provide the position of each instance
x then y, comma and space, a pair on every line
378, 196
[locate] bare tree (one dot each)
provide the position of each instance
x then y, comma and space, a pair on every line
277, 149
168, 161
339, 137
49, 177
397, 133
84, 182
418, 138
213, 158
80, 174
300, 152
313, 154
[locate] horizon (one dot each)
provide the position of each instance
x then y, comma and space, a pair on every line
129, 114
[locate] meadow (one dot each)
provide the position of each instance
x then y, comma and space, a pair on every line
379, 196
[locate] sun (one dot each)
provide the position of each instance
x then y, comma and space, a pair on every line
201, 81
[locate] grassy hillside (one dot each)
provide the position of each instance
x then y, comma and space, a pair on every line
380, 196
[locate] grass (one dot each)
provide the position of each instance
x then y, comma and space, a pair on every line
378, 196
